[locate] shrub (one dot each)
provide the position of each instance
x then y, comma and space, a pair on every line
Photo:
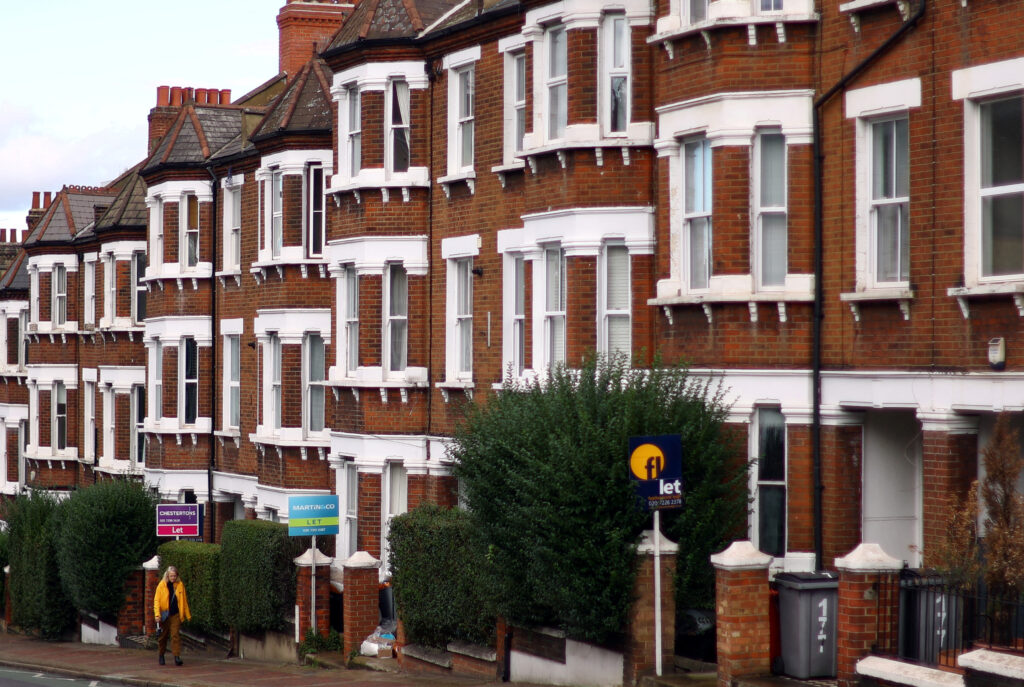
37, 596
545, 469
107, 530
438, 574
198, 567
5, 559
257, 587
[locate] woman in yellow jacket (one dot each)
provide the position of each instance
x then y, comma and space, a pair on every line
170, 606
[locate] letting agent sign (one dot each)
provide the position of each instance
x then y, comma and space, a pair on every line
656, 467
312, 515
177, 520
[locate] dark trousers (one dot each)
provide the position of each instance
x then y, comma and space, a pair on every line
171, 628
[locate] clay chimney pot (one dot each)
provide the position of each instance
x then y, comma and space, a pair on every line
35, 200
163, 98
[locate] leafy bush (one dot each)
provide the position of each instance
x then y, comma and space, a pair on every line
438, 574
36, 594
107, 530
198, 567
315, 643
257, 584
5, 559
545, 469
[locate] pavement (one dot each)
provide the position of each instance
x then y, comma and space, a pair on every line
139, 667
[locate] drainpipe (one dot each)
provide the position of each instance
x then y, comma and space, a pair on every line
819, 290
213, 364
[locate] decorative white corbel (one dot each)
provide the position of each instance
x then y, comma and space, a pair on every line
220, 278
160, 283
780, 31
706, 35
445, 394
384, 395
337, 199
625, 155
707, 312
322, 452
302, 449
668, 313
752, 307
178, 282
384, 194
562, 158
599, 156
304, 270
855, 309
447, 188
323, 270
471, 182
904, 8
1018, 300
337, 393
195, 284
965, 307
905, 307
355, 393
782, 311
751, 34
405, 194
177, 438
280, 271
532, 159
358, 195
195, 439
855, 22
404, 394
669, 50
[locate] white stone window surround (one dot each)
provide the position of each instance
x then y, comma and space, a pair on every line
169, 332
453, 250
576, 15
117, 251
288, 163
229, 185
9, 310
509, 47
676, 23
290, 325
229, 328
89, 289
865, 106
111, 381
376, 76
727, 119
973, 85
11, 416
174, 192
453, 64
39, 264
579, 232
41, 377
370, 256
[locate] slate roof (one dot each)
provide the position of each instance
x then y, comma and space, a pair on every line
16, 276
380, 19
197, 133
71, 211
305, 104
466, 11
129, 207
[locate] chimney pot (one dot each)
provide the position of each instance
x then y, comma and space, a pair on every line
225, 96
35, 200
200, 96
163, 96
176, 96
46, 199
189, 94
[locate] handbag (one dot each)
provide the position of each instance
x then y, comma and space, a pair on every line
163, 616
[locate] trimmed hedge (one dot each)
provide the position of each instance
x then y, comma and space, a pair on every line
258, 576
107, 530
5, 559
38, 598
198, 567
438, 574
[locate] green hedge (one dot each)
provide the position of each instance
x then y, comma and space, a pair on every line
5, 559
107, 530
438, 574
37, 596
258, 576
199, 567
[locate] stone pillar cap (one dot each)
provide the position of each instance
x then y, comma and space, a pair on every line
869, 557
665, 544
312, 557
741, 555
152, 564
362, 559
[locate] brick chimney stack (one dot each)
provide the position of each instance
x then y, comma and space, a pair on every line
305, 27
170, 99
38, 208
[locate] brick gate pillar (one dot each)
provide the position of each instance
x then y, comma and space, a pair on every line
303, 592
639, 657
869, 598
131, 620
842, 449
151, 571
949, 463
741, 612
361, 599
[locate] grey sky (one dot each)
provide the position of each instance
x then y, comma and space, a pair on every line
78, 77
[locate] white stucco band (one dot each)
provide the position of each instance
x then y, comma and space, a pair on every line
370, 254
292, 324
730, 119
582, 231
895, 96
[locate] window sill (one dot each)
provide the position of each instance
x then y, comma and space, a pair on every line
320, 447
514, 167
751, 298
67, 454
901, 295
562, 146
723, 14
456, 385
854, 7
468, 177
180, 275
963, 294
377, 179
203, 426
116, 466
261, 268
370, 378
229, 274
229, 434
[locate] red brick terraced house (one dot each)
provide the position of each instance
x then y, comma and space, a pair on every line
298, 291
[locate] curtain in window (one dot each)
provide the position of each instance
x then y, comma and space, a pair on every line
400, 126
398, 311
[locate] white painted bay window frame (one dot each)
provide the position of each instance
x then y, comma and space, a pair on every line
514, 89
768, 476
138, 277
348, 490
157, 196
51, 264
460, 69
47, 377
129, 383
161, 335
59, 293
138, 424
458, 254
615, 301
314, 392
272, 250
232, 226
616, 86
314, 224
770, 195
189, 227
394, 502
89, 287
396, 319
89, 443
188, 380
231, 384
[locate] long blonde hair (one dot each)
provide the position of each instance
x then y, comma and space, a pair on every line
169, 569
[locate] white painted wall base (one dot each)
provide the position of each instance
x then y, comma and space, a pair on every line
105, 634
585, 665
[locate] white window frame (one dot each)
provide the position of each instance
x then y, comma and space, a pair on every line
615, 27
555, 304
348, 490
275, 380
392, 321
156, 367
232, 218
89, 285
22, 339
353, 128
394, 501
459, 253
34, 294
89, 422
556, 83
903, 249
314, 214
275, 202
138, 271
189, 234
756, 483
609, 309
58, 434
520, 305
348, 306
314, 390
109, 289
109, 424
185, 382
232, 393
137, 423
763, 211
460, 69
515, 87
398, 95
156, 230
697, 207
59, 293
